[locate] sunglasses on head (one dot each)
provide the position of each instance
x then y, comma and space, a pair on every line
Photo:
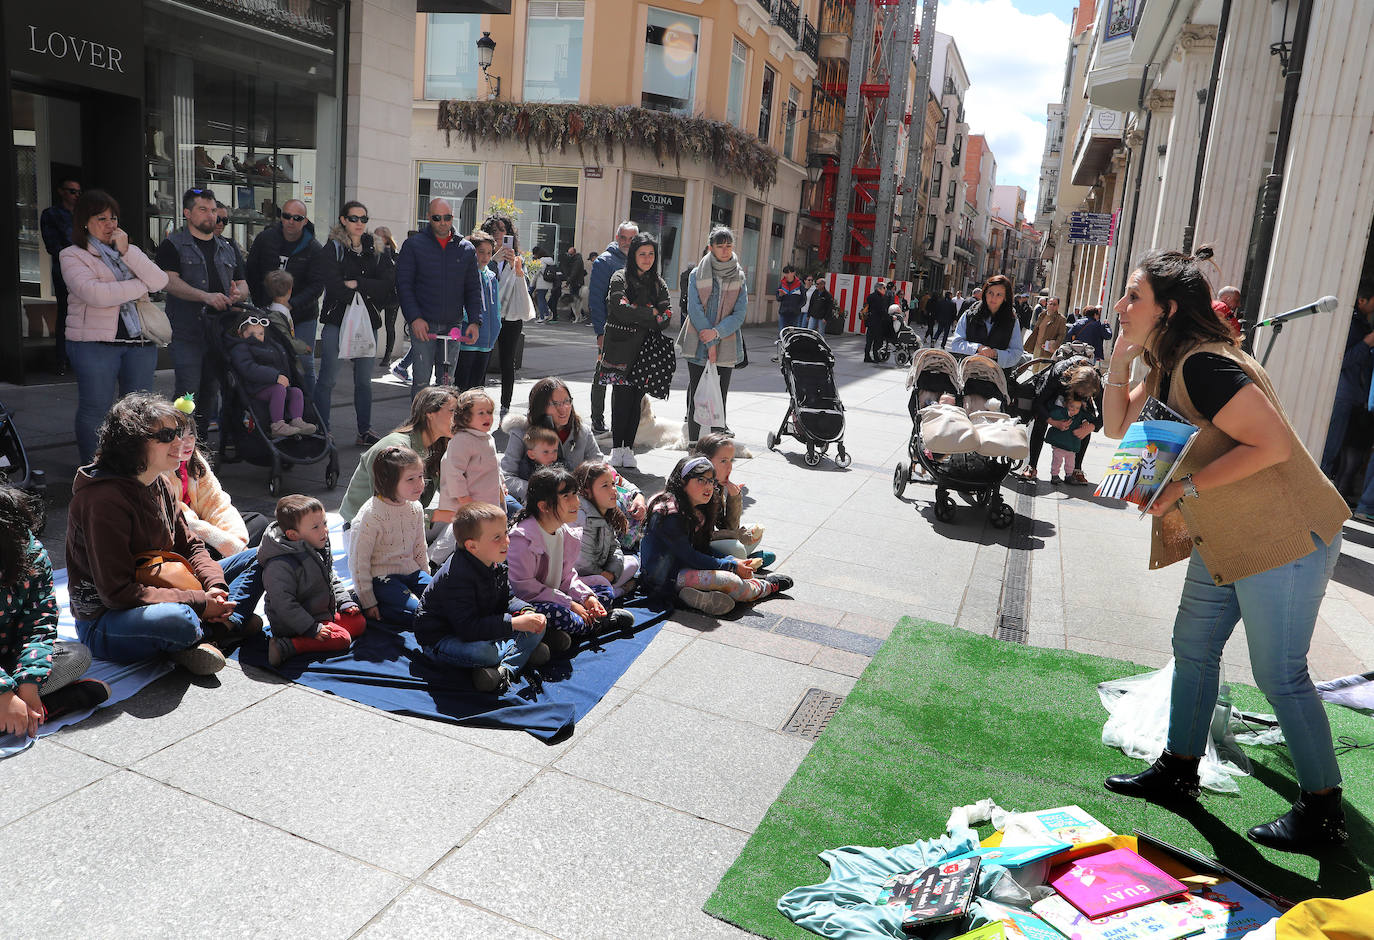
292, 218
357, 218
167, 435
74, 192
255, 321
441, 218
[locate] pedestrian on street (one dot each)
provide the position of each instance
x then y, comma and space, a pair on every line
289, 245
387, 250
1227, 307
791, 297
821, 308
989, 326
1261, 528
1049, 332
56, 225
1091, 329
514, 301
943, 315
1350, 409
574, 276
875, 315
439, 287
607, 263
717, 301
541, 286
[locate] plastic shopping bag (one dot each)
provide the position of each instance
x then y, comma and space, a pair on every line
708, 409
357, 338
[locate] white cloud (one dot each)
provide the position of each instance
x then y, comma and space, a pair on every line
1015, 65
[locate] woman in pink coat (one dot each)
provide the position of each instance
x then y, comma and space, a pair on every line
106, 276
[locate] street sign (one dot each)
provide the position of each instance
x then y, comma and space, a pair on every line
1091, 228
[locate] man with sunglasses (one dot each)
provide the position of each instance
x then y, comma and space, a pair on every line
56, 225
289, 245
204, 276
439, 286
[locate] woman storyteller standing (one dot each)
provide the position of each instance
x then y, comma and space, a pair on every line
1260, 525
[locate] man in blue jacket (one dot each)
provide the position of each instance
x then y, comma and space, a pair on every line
439, 287
606, 264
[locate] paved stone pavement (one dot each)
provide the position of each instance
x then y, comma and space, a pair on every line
243, 805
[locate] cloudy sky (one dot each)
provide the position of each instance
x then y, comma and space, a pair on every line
1014, 52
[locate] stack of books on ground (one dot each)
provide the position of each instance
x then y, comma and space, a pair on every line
1103, 889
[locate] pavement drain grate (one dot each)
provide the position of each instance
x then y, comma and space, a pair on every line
1011, 617
812, 715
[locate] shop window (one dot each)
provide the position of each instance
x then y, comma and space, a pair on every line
776, 234
661, 214
553, 51
739, 65
722, 207
750, 241
454, 182
451, 55
791, 118
547, 200
670, 61
766, 104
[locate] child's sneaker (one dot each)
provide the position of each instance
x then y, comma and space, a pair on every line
767, 557
1055, 481
558, 641
540, 656
780, 582
82, 695
491, 678
282, 429
279, 650
708, 602
302, 426
618, 620
400, 372
203, 659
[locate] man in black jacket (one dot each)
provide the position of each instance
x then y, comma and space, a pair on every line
875, 312
290, 246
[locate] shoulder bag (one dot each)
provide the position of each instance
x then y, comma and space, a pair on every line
152, 320
165, 570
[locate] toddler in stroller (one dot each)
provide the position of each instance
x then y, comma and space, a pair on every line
263, 367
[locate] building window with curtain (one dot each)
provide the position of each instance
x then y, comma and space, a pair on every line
790, 118
776, 235
670, 61
722, 206
451, 55
739, 69
766, 104
553, 51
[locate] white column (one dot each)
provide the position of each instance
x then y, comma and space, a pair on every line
1160, 104
1247, 94
1176, 192
377, 164
1325, 211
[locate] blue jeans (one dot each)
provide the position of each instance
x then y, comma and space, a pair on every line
512, 653
1279, 607
471, 371
788, 319
815, 323
1335, 432
129, 636
329, 370
424, 356
245, 583
101, 370
188, 351
305, 332
541, 302
398, 596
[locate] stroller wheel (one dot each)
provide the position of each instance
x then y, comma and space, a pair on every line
274, 485
331, 478
903, 358
944, 506
882, 353
900, 478
771, 441
812, 457
1001, 516
842, 458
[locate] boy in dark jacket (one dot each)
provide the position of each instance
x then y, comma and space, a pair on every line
467, 616
308, 606
263, 368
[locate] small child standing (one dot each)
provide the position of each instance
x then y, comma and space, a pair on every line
541, 450
468, 616
602, 561
543, 559
470, 471
1069, 413
731, 536
263, 367
308, 606
676, 558
387, 555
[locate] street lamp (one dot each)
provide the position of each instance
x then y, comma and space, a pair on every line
486, 46
814, 168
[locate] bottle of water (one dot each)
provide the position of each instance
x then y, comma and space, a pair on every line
1221, 715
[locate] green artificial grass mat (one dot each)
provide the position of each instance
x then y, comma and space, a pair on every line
943, 717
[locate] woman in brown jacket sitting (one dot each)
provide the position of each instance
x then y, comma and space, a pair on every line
1261, 529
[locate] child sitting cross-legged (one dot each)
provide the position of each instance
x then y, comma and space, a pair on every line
731, 536
541, 450
308, 606
387, 555
602, 561
543, 559
676, 560
468, 616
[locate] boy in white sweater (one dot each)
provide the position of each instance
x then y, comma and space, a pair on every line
387, 555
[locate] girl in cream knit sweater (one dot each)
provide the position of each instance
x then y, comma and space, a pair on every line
387, 555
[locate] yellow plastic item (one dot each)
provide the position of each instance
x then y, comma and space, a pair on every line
1329, 919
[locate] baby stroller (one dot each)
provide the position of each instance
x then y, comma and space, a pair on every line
816, 415
969, 450
903, 342
244, 419
15, 469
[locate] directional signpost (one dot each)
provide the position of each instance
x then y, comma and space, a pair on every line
1091, 228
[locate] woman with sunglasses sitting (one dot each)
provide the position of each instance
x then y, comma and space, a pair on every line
122, 508
349, 266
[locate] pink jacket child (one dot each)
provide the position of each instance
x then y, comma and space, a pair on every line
470, 472
530, 578
94, 294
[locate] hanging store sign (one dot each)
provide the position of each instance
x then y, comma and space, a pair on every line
94, 45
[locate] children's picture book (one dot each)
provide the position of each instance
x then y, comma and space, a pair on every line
933, 895
1020, 925
1068, 824
1016, 856
1107, 883
1157, 921
1145, 461
993, 930
1227, 911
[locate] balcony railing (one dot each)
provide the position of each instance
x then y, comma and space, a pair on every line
788, 15
810, 40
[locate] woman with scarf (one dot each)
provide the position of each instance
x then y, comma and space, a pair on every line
717, 300
106, 277
989, 326
513, 298
633, 360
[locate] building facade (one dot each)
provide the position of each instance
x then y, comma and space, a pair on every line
945, 219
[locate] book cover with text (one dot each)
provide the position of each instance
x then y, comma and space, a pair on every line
1113, 881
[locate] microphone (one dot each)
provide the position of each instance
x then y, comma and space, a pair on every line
1325, 305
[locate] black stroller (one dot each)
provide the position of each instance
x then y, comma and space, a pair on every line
816, 415
15, 469
244, 419
902, 343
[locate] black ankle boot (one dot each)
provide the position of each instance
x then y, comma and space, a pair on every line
1315, 822
1169, 779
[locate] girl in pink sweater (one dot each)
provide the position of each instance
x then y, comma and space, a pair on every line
387, 555
470, 471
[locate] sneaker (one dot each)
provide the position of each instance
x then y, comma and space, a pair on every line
1078, 479
1055, 481
366, 439
708, 602
491, 678
627, 458
279, 650
281, 429
558, 641
80, 696
768, 558
780, 582
620, 619
401, 374
302, 426
599, 427
1363, 516
614, 458
203, 659
540, 656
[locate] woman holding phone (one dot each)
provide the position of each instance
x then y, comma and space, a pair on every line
513, 298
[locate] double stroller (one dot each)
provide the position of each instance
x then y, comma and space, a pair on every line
968, 445
815, 414
244, 420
